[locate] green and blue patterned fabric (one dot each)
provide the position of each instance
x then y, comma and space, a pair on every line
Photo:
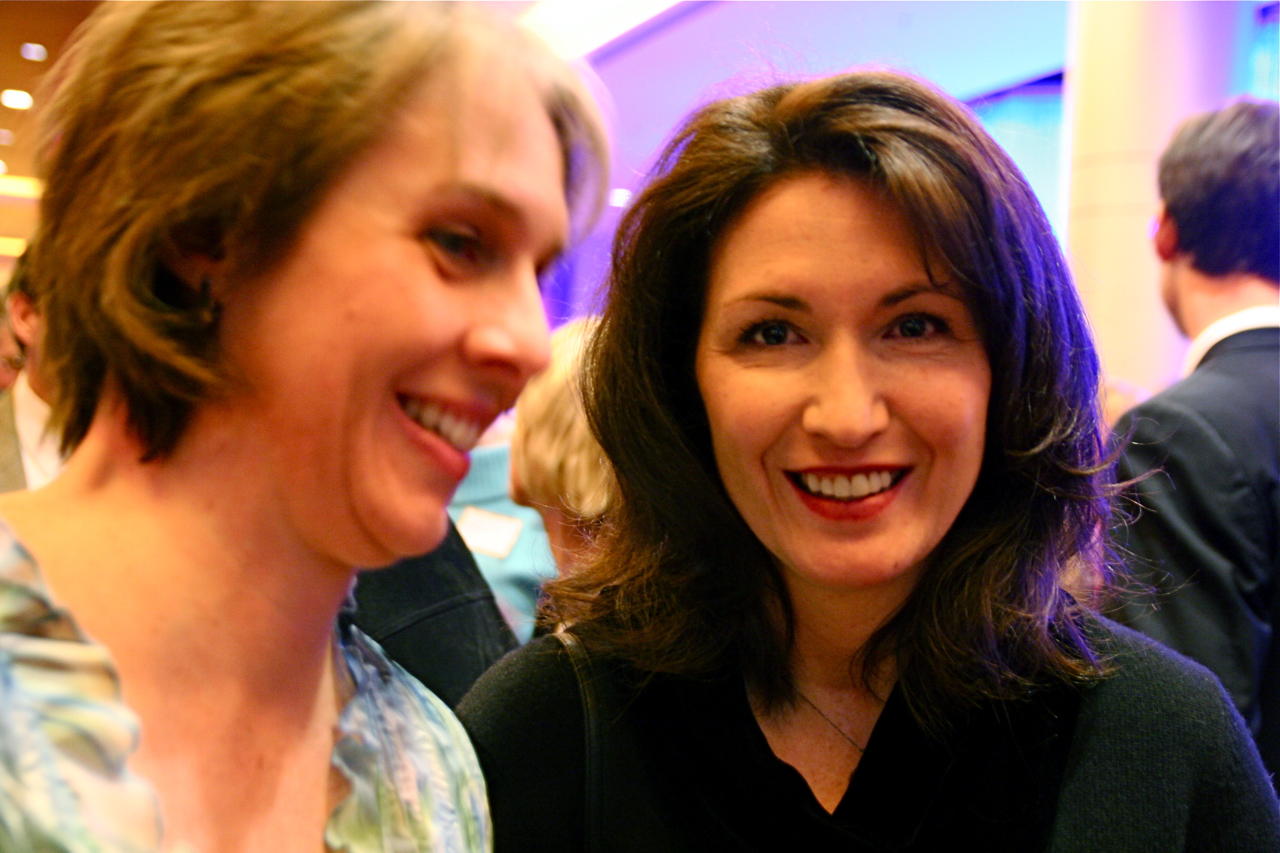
66, 737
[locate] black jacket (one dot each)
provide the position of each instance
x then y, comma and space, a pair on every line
1153, 758
1205, 522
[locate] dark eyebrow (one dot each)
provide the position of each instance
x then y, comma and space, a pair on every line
895, 297
782, 300
904, 293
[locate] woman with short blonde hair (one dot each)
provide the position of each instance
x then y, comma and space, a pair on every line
557, 466
288, 263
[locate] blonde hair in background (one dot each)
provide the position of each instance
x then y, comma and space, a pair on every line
217, 128
555, 459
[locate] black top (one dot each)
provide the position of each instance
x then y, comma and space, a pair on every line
1151, 759
1205, 531
435, 616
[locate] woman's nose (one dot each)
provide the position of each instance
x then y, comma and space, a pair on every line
847, 404
510, 336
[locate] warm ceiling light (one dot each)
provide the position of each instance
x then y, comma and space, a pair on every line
12, 247
34, 52
16, 99
574, 28
6, 136
15, 186
3, 167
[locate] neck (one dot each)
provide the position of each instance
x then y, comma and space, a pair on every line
832, 629
120, 541
35, 377
1204, 299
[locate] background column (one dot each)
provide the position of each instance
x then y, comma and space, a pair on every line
1135, 70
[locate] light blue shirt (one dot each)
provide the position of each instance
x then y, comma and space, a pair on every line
508, 540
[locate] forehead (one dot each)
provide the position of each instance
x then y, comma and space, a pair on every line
478, 125
801, 223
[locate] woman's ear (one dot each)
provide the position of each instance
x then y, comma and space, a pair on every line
193, 267
23, 319
193, 252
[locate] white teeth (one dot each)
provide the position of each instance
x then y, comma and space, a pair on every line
460, 433
844, 488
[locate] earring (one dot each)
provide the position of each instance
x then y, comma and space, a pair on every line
208, 309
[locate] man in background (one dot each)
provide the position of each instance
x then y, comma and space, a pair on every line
1202, 531
29, 453
10, 355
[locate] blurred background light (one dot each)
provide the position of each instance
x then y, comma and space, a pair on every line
574, 28
16, 99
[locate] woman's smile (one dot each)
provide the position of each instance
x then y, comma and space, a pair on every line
846, 486
841, 494
459, 430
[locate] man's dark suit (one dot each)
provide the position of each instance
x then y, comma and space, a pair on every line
435, 615
1208, 522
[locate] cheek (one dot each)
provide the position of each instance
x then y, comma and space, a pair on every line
725, 440
725, 421
737, 410
946, 406
961, 419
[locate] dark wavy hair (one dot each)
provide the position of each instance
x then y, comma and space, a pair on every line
679, 583
1220, 180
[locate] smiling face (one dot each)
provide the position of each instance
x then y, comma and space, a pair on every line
846, 394
405, 319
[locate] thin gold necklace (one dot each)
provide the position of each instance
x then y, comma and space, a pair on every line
829, 722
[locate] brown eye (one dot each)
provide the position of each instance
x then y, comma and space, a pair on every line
460, 247
772, 333
918, 326
914, 327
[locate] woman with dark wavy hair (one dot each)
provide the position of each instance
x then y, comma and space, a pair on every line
843, 599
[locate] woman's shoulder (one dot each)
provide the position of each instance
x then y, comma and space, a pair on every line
539, 675
525, 718
1141, 664
529, 701
1152, 693
1160, 758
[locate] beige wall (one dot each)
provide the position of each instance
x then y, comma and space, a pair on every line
1135, 70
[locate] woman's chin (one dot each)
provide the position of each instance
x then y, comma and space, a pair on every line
394, 537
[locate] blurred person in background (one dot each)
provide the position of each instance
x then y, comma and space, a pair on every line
1202, 531
10, 355
288, 263
507, 540
30, 455
850, 400
557, 466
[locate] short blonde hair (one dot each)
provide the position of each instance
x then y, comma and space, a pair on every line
554, 456
218, 128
